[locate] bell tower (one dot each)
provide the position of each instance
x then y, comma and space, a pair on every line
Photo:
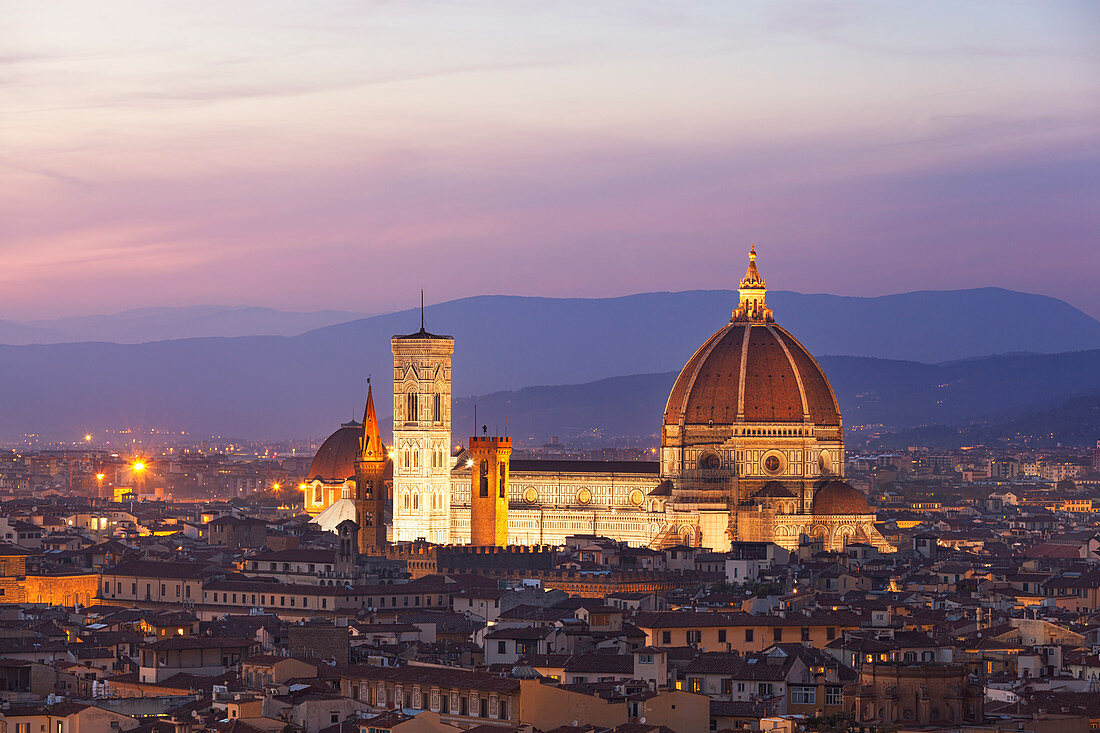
422, 436
489, 491
370, 487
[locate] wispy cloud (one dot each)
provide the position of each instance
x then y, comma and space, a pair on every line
168, 154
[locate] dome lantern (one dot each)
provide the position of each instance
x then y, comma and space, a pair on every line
752, 290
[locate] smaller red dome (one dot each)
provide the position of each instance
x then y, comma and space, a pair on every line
774, 490
838, 497
335, 459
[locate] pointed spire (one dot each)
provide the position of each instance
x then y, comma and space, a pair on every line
752, 307
371, 448
752, 277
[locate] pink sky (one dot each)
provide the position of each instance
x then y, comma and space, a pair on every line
344, 155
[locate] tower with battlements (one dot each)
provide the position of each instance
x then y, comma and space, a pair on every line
489, 491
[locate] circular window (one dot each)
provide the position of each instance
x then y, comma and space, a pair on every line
774, 463
584, 496
636, 497
530, 495
709, 462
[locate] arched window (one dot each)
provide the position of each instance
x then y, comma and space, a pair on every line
484, 469
437, 407
501, 477
412, 414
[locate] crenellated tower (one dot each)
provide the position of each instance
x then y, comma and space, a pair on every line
489, 491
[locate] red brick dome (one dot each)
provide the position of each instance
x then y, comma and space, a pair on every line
838, 497
335, 459
751, 372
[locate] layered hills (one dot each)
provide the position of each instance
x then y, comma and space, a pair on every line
902, 356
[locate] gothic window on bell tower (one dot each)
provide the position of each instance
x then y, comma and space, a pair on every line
437, 407
411, 412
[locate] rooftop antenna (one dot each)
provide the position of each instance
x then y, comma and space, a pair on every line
475, 419
421, 309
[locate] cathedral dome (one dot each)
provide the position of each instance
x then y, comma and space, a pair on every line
838, 497
335, 459
751, 371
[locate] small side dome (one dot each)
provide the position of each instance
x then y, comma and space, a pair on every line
335, 459
774, 490
838, 497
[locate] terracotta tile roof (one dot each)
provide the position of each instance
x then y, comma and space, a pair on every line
173, 570
622, 664
443, 677
710, 385
198, 642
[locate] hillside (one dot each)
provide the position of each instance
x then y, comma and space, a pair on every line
275, 386
1000, 392
1074, 422
928, 326
161, 324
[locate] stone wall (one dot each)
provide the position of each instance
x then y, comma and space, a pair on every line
62, 590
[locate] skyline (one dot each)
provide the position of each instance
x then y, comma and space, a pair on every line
346, 156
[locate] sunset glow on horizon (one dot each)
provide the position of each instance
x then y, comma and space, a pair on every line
344, 155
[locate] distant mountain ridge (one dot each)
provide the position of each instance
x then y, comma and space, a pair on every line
1073, 422
1003, 392
143, 325
277, 386
930, 325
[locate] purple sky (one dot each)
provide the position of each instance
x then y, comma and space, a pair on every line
344, 155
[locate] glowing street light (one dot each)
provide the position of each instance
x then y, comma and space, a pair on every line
138, 466
87, 437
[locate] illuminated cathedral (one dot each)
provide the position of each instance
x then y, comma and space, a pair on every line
752, 449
